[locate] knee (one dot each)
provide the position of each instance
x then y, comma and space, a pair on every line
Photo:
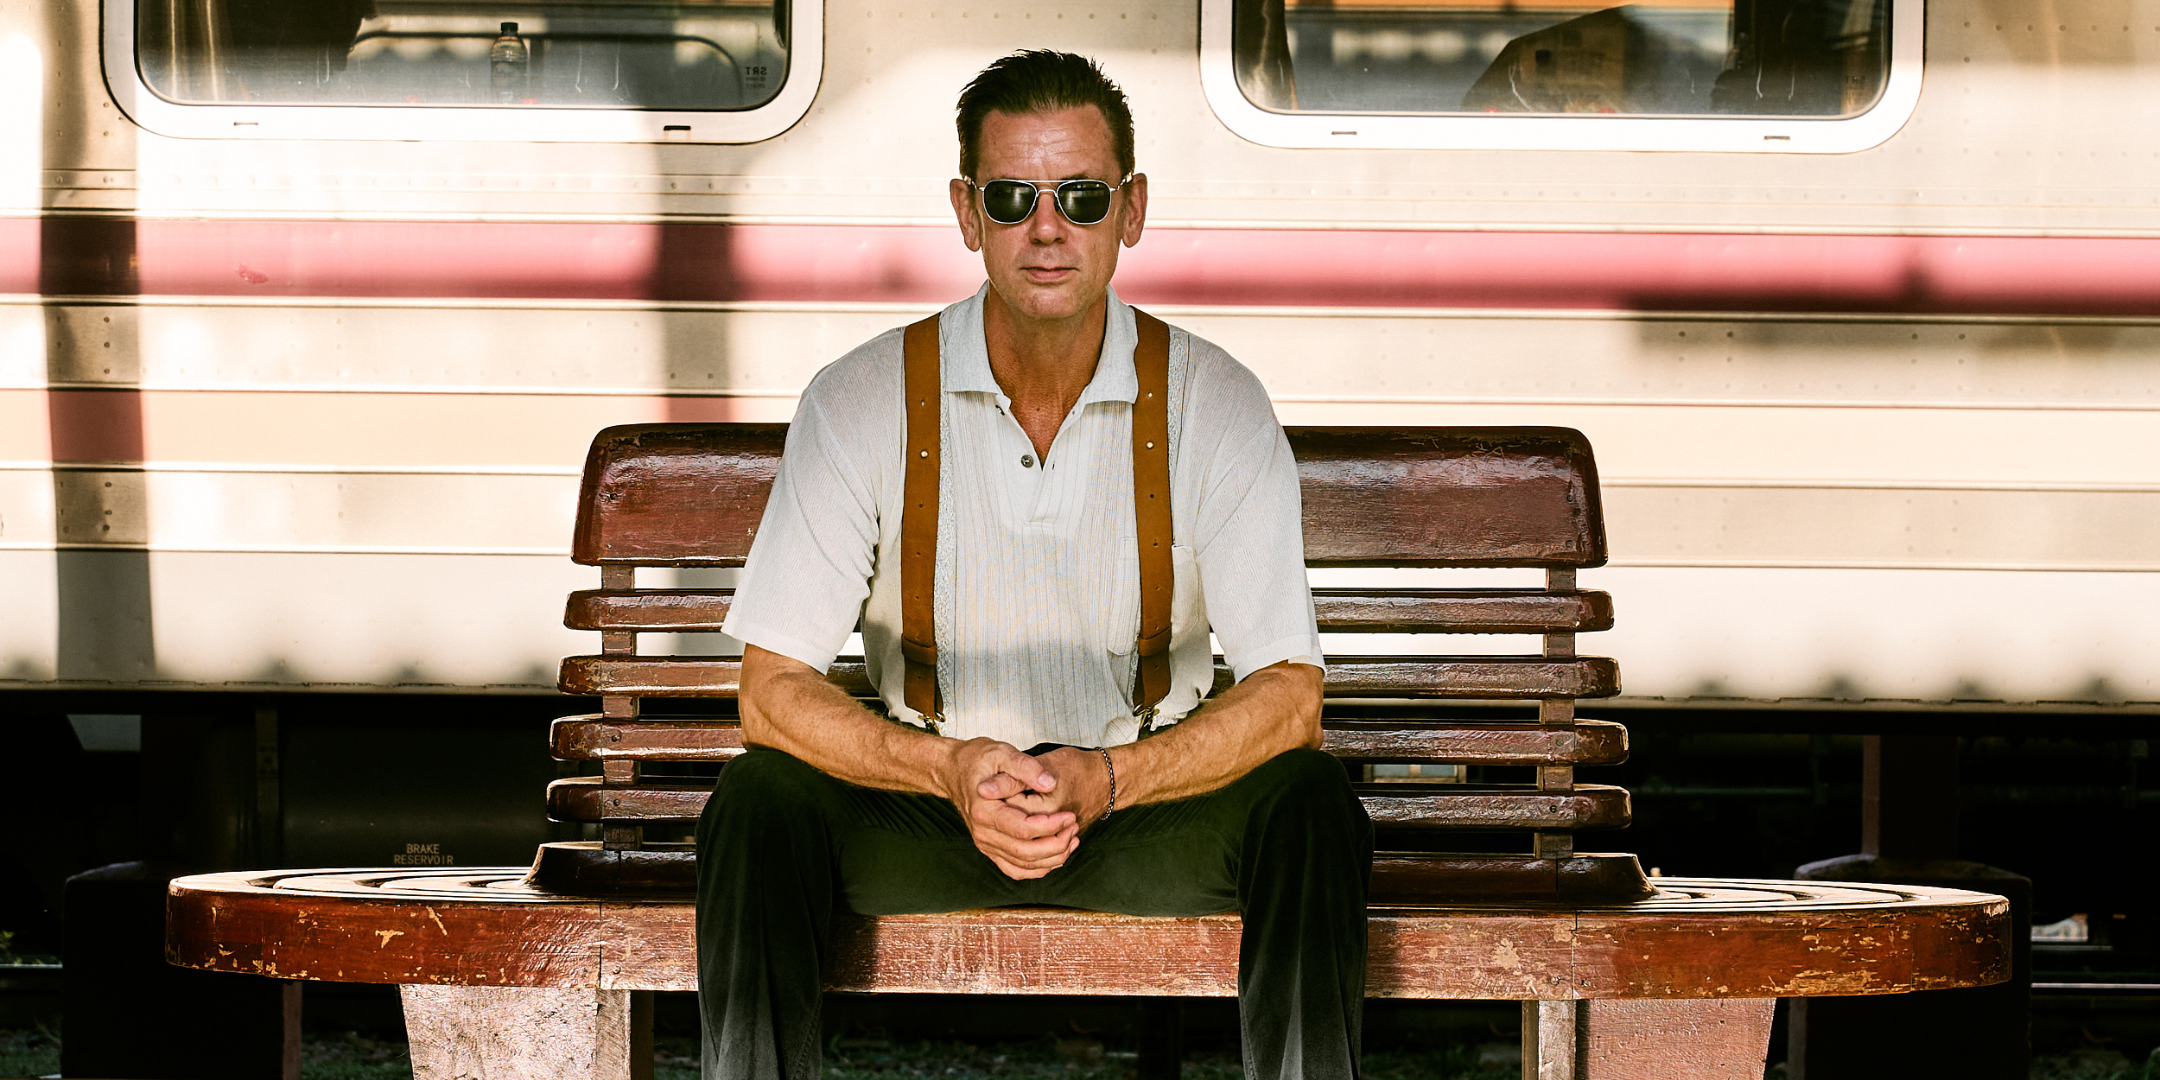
762, 770
762, 786
1313, 786
1308, 774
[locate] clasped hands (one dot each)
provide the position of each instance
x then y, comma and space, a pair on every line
1025, 812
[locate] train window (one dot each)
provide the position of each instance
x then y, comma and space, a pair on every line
1778, 75
557, 70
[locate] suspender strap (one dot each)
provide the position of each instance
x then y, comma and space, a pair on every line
919, 515
919, 521
1151, 509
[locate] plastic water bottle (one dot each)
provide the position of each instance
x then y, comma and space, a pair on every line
509, 64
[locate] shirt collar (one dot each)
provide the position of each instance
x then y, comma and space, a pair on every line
966, 356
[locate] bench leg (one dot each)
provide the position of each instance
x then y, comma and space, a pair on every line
527, 1033
1672, 1039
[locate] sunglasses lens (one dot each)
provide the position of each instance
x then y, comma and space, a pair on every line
1084, 202
1008, 202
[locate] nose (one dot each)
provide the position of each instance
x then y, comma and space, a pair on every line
1047, 224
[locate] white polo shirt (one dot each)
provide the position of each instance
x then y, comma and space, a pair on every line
1037, 591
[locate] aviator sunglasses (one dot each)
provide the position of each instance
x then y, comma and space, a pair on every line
1083, 202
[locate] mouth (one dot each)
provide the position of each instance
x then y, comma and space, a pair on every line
1049, 274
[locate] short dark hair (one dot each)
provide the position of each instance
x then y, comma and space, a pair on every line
1036, 81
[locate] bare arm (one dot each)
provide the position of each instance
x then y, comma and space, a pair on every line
1275, 709
790, 707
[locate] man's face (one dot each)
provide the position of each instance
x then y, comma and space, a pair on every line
1046, 267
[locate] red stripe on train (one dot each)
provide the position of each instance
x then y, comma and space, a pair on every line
1232, 267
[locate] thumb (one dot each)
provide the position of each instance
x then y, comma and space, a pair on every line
1000, 786
1029, 771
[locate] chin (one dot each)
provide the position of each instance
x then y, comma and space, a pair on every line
1061, 302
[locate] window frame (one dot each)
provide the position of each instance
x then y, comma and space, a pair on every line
408, 123
1726, 134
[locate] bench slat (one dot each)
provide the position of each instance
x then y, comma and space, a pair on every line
693, 494
683, 610
1522, 496
1462, 806
1480, 677
1432, 806
595, 738
1587, 742
1392, 611
1462, 611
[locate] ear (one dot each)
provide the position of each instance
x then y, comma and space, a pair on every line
963, 205
1134, 217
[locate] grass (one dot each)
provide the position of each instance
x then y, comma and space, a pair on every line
2095, 1064
352, 1056
35, 1052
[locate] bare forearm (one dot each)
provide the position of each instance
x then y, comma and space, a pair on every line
789, 707
1276, 709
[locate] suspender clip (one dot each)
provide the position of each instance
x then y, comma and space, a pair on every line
1146, 713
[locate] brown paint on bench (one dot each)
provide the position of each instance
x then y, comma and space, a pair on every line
693, 494
1399, 611
1586, 742
1695, 939
1475, 678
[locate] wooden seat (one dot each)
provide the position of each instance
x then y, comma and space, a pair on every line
1691, 938
1678, 985
684, 495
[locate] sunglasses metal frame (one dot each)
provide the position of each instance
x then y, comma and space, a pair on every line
1056, 191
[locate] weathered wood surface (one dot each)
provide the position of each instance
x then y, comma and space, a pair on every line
1391, 611
1506, 678
1425, 806
526, 1033
1462, 611
1462, 806
675, 494
693, 494
674, 610
1586, 742
1453, 496
1647, 1039
598, 738
1695, 939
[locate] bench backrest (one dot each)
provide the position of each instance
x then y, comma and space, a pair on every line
691, 495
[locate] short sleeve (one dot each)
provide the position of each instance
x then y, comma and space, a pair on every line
1247, 530
809, 568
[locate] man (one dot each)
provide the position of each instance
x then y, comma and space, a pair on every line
1226, 806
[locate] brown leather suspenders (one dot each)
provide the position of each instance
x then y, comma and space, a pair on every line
919, 521
1151, 510
919, 516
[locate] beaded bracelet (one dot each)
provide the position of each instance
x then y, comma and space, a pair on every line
1112, 770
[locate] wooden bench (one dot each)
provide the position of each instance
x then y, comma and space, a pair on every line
1618, 978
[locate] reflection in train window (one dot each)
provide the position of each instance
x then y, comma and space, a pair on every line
1823, 58
609, 54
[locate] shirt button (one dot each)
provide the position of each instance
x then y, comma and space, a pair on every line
1027, 461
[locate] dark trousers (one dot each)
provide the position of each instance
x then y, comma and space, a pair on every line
781, 845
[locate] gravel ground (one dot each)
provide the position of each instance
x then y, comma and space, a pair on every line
350, 1056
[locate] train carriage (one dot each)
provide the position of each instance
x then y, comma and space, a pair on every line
303, 322
306, 319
